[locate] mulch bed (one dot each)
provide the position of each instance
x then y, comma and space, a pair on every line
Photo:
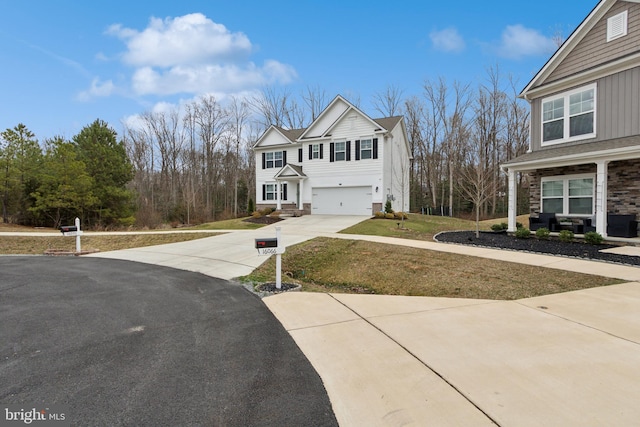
552, 246
263, 220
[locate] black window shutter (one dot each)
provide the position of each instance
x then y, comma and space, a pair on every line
332, 152
284, 158
264, 192
375, 148
299, 155
264, 160
348, 144
310, 151
357, 149
321, 156
284, 191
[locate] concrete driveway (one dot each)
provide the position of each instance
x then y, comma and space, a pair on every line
233, 254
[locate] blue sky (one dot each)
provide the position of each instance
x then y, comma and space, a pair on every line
64, 64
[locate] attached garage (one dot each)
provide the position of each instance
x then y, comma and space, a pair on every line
341, 201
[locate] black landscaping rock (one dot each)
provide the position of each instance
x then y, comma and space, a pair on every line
552, 246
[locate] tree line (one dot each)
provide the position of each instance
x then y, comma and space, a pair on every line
194, 163
61, 179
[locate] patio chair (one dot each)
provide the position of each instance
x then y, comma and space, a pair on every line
622, 225
543, 220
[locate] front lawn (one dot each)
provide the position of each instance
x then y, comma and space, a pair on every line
337, 265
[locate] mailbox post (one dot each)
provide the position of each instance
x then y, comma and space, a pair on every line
270, 246
73, 230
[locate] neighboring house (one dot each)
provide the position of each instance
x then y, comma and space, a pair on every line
584, 156
344, 163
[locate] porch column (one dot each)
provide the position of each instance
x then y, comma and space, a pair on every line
278, 199
601, 197
301, 189
512, 196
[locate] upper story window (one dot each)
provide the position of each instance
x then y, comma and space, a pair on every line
340, 152
570, 116
274, 159
617, 26
366, 149
315, 151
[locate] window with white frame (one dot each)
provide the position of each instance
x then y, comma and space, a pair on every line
570, 116
366, 149
568, 195
340, 151
273, 159
270, 191
315, 151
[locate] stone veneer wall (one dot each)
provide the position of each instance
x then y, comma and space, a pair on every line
623, 196
623, 185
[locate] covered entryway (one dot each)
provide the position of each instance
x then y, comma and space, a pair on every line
341, 201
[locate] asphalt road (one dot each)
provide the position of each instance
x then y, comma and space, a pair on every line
123, 343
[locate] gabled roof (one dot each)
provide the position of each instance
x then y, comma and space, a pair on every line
388, 123
289, 171
292, 134
288, 136
574, 39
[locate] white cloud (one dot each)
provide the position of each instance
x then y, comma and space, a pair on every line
518, 41
189, 39
192, 54
97, 89
447, 40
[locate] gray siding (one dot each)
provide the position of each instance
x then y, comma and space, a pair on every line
594, 49
617, 111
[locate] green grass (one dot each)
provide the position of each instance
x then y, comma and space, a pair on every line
417, 227
337, 265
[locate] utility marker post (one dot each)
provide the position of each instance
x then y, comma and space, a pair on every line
278, 261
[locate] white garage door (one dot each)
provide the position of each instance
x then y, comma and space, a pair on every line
341, 201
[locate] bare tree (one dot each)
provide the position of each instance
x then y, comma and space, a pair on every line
388, 103
316, 101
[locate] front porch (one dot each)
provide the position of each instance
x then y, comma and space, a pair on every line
572, 184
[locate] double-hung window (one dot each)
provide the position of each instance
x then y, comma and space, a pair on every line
270, 192
273, 159
568, 195
366, 149
570, 116
315, 151
340, 151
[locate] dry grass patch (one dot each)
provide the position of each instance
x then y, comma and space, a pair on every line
336, 265
21, 245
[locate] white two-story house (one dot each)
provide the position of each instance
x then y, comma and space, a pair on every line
584, 156
344, 163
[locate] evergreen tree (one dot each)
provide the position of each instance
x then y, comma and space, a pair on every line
20, 162
65, 189
109, 166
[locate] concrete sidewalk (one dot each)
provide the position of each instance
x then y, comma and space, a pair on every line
561, 360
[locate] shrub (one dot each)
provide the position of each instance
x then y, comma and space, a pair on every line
387, 207
400, 215
256, 214
379, 214
500, 227
251, 207
566, 235
543, 233
523, 233
519, 225
389, 216
593, 238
